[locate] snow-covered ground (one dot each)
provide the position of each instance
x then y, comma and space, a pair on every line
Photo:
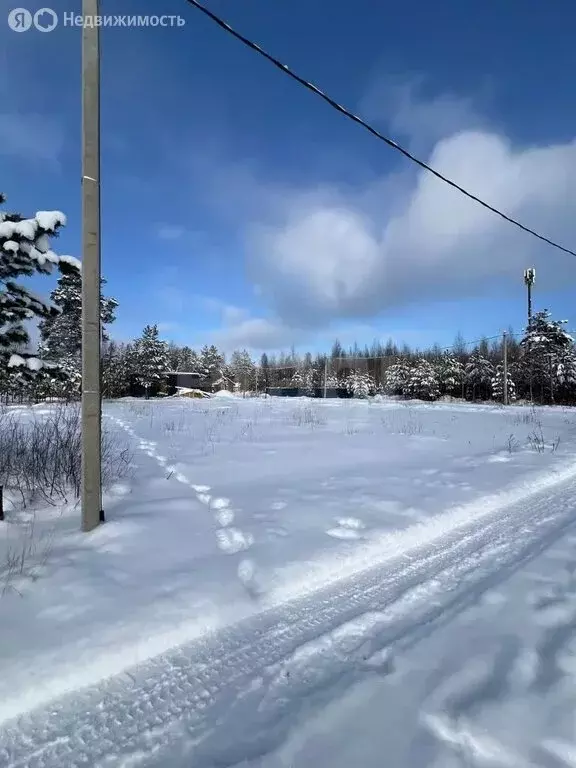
292, 582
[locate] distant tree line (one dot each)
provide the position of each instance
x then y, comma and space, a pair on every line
541, 363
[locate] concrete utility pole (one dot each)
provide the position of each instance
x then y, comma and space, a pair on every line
92, 513
325, 376
505, 365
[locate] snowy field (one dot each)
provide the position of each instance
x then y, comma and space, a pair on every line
297, 582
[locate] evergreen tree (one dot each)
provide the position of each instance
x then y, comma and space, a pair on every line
25, 251
189, 361
484, 348
243, 369
61, 335
450, 372
359, 384
331, 378
265, 370
479, 373
544, 344
174, 357
115, 370
211, 361
150, 359
390, 350
303, 378
497, 385
513, 346
224, 379
423, 381
337, 351
566, 375
459, 348
396, 378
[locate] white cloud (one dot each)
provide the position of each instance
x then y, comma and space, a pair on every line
257, 333
411, 112
329, 256
326, 257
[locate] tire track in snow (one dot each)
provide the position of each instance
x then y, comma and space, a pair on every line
234, 696
229, 539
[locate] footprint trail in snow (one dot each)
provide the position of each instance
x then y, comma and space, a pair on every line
230, 539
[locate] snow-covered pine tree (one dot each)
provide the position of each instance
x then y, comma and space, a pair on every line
497, 385
243, 369
174, 357
25, 251
150, 359
311, 380
423, 381
130, 362
189, 361
211, 361
360, 384
544, 344
478, 373
264, 373
115, 370
303, 378
450, 372
566, 375
297, 378
396, 378
61, 335
331, 380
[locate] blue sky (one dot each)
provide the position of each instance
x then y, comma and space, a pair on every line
237, 208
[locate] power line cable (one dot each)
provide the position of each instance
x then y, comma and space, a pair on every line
390, 142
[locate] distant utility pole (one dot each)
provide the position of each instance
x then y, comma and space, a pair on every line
551, 371
325, 376
529, 278
92, 513
505, 365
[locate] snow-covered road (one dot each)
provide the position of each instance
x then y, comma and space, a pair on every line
267, 690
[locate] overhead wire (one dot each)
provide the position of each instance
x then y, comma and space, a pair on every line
353, 358
355, 118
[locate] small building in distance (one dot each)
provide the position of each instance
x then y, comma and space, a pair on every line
211, 382
188, 380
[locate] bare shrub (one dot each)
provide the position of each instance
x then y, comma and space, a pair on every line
40, 455
307, 416
513, 445
526, 417
536, 441
40, 463
24, 555
405, 423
